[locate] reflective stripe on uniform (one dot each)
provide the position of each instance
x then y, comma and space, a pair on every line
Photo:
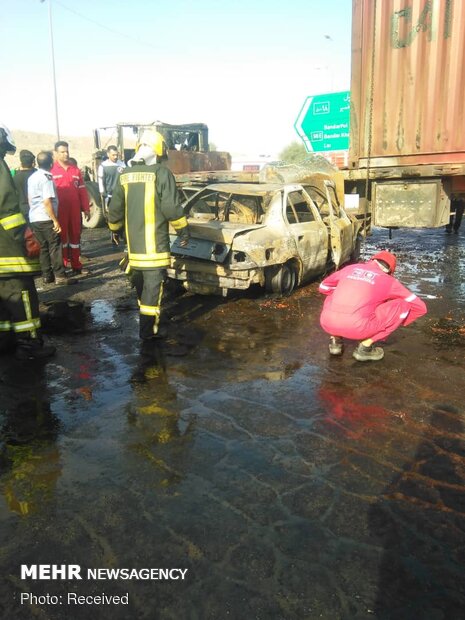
18, 264
74, 245
157, 317
33, 323
27, 326
149, 310
12, 221
149, 216
125, 188
155, 256
5, 326
148, 262
180, 223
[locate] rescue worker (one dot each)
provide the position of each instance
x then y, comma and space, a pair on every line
145, 201
365, 302
19, 304
73, 200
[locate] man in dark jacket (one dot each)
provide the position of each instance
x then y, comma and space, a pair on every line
19, 305
20, 177
145, 201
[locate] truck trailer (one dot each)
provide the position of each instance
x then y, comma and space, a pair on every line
407, 117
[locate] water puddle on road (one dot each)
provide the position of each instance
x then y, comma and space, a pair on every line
103, 313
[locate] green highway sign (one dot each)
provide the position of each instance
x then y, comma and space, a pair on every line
323, 122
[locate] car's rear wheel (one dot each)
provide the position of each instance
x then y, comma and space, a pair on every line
280, 279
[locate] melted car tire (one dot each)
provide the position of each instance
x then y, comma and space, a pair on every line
280, 279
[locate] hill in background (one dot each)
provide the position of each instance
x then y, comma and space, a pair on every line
80, 147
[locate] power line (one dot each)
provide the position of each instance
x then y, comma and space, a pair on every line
96, 23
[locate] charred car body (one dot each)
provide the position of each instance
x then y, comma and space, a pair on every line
276, 235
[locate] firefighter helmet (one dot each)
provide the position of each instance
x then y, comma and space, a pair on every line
387, 258
154, 140
7, 144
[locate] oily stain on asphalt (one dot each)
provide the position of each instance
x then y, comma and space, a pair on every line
291, 485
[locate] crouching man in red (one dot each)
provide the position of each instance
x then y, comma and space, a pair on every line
365, 302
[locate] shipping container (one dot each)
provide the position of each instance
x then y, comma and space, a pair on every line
407, 122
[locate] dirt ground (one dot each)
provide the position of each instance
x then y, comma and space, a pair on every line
289, 484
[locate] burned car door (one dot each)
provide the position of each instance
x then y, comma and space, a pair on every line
338, 223
341, 229
307, 230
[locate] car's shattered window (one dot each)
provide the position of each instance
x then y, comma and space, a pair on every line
226, 207
209, 205
321, 200
244, 209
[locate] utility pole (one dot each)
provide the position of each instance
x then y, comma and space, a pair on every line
52, 50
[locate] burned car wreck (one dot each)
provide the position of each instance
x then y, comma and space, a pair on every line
276, 235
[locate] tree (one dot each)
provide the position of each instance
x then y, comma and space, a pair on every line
293, 153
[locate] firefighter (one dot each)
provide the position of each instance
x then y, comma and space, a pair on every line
19, 304
145, 201
365, 302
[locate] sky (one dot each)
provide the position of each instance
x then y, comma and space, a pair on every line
243, 67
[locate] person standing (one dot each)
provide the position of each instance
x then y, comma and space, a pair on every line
145, 201
43, 213
73, 200
107, 175
19, 304
365, 302
21, 176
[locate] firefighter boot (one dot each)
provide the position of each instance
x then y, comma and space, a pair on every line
335, 345
368, 354
33, 349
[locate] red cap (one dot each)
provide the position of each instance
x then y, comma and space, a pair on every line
387, 258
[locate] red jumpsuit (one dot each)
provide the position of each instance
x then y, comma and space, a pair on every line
365, 302
72, 200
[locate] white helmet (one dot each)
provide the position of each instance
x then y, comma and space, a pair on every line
7, 144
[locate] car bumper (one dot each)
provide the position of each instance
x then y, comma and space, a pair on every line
209, 278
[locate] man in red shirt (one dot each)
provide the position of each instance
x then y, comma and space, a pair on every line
72, 200
365, 302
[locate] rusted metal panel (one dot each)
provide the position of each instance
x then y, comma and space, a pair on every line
415, 53
421, 204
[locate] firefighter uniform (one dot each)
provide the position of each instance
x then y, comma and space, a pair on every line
145, 200
72, 200
19, 305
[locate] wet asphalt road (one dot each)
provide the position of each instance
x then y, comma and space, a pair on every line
289, 484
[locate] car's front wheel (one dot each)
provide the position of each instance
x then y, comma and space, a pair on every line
280, 279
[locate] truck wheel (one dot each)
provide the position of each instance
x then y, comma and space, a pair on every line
96, 212
280, 279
